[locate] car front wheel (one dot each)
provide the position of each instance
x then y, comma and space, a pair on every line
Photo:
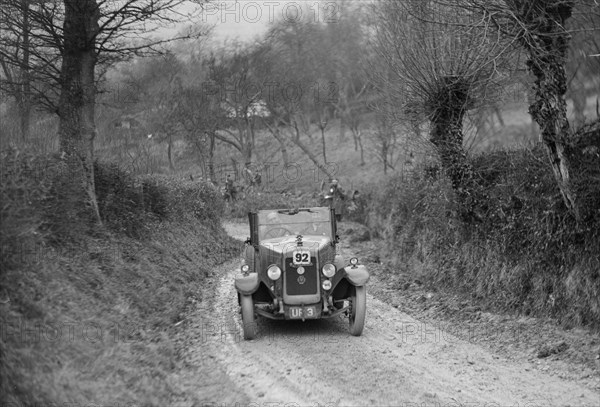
358, 310
249, 325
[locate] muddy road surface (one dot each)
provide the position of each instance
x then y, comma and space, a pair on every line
398, 361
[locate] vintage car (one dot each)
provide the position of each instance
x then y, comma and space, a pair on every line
292, 269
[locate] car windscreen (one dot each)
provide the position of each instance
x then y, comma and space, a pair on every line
305, 222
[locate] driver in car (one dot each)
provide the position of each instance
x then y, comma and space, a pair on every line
273, 217
314, 229
274, 228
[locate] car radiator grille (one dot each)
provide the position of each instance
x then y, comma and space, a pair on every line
305, 284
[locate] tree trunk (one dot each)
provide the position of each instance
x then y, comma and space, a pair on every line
170, 152
274, 129
416, 128
384, 156
579, 104
362, 150
357, 135
322, 128
309, 154
246, 142
253, 134
284, 154
446, 135
211, 161
247, 153
77, 98
25, 118
25, 98
547, 44
342, 135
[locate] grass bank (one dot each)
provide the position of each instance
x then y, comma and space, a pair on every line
87, 312
525, 254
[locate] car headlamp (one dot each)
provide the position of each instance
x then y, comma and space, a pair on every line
326, 284
245, 268
274, 272
354, 261
329, 270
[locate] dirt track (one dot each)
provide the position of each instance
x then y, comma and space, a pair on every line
398, 361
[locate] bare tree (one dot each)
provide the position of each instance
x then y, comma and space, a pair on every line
539, 28
384, 139
202, 117
436, 70
17, 81
28, 55
582, 66
232, 81
294, 97
79, 35
348, 52
164, 117
76, 106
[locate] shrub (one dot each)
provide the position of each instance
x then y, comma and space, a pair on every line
584, 154
175, 198
120, 200
40, 195
127, 203
406, 207
525, 253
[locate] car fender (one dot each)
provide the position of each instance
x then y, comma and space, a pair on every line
249, 254
246, 284
357, 275
339, 262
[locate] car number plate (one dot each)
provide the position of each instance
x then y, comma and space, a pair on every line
303, 312
301, 257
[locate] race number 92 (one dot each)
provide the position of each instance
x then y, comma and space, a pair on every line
301, 257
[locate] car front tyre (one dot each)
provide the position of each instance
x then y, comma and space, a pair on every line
358, 299
248, 322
